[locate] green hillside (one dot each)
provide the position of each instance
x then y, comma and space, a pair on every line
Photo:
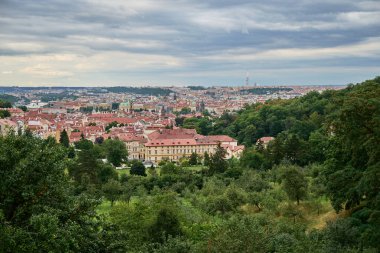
314, 188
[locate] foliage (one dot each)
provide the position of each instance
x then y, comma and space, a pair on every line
193, 160
138, 169
252, 159
206, 159
197, 87
325, 152
266, 90
64, 139
218, 164
7, 100
149, 91
116, 151
112, 190
84, 144
353, 164
294, 182
4, 114
202, 125
23, 108
111, 125
185, 110
39, 211
165, 225
115, 106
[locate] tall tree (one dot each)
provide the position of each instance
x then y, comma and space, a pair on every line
86, 167
218, 163
252, 159
112, 190
294, 182
206, 159
165, 225
116, 151
193, 159
353, 165
64, 139
38, 209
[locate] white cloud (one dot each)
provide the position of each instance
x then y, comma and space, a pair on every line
368, 48
44, 71
143, 39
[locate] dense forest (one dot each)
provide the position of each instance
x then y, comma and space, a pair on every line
314, 188
265, 90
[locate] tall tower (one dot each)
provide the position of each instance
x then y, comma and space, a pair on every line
247, 79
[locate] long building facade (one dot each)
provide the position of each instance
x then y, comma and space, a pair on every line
174, 144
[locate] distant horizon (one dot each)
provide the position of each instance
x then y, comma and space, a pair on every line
172, 86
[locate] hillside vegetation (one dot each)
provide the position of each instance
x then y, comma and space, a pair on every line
315, 188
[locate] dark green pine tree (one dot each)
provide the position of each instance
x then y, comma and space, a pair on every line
206, 159
218, 164
193, 159
64, 139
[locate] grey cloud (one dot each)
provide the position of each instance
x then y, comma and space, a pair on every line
186, 29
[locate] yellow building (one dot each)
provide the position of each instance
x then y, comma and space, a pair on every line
173, 144
175, 149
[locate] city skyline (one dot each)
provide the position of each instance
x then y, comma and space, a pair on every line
174, 43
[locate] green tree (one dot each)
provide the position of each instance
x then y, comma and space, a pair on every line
115, 106
166, 224
294, 182
112, 190
206, 159
111, 125
106, 172
64, 139
4, 114
5, 104
353, 167
193, 159
168, 168
179, 121
185, 110
218, 164
294, 149
71, 152
276, 150
39, 211
116, 151
99, 140
84, 144
86, 167
138, 169
252, 159
23, 108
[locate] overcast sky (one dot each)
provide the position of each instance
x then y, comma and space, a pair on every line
188, 42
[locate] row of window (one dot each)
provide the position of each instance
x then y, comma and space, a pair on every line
180, 151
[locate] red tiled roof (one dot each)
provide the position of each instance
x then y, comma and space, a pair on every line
179, 133
221, 138
266, 139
